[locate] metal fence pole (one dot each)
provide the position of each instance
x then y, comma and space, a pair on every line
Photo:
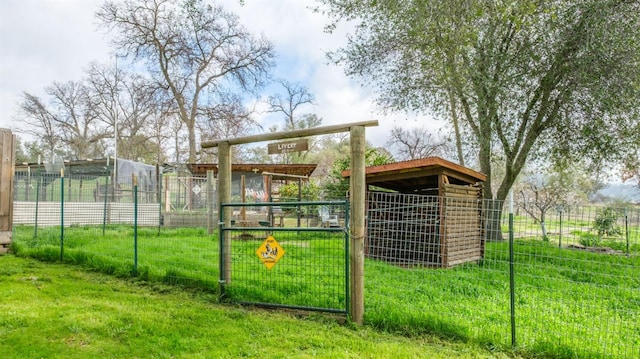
104, 209
512, 293
159, 196
61, 214
560, 237
626, 227
38, 183
221, 235
135, 225
346, 258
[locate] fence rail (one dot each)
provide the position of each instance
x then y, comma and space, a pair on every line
568, 287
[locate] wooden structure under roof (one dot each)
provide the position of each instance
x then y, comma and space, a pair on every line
200, 169
428, 213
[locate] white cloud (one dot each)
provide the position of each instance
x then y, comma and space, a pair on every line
43, 41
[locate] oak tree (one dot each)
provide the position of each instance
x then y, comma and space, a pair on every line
192, 49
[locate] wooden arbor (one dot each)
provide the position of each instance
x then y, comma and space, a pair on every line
357, 198
7, 153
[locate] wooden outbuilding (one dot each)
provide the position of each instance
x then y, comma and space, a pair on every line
425, 212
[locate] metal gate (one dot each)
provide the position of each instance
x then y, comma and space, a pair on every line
286, 254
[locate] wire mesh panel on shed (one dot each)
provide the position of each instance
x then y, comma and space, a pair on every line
409, 229
403, 229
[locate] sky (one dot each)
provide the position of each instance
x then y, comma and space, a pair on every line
43, 41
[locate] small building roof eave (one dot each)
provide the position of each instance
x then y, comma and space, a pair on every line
392, 175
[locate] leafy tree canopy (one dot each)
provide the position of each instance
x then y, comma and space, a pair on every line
551, 77
337, 186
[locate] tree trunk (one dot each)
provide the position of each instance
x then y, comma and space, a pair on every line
493, 219
492, 207
456, 127
192, 142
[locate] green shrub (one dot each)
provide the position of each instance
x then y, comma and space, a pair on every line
605, 222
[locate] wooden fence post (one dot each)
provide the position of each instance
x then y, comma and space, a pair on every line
357, 197
211, 219
7, 169
224, 196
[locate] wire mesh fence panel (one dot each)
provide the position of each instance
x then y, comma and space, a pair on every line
184, 256
437, 274
577, 296
286, 265
83, 219
578, 281
185, 201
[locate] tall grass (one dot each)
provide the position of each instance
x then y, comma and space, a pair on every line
177, 256
59, 311
569, 303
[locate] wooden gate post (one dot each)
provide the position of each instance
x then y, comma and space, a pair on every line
357, 197
7, 169
224, 196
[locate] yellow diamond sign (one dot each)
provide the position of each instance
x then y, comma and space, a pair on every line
270, 252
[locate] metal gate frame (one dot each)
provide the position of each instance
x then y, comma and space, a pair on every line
225, 235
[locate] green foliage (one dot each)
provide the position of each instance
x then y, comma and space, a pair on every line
605, 222
590, 240
310, 191
526, 77
338, 186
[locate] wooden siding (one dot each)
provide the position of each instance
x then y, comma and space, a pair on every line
462, 236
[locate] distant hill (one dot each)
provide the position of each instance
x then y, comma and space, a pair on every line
620, 191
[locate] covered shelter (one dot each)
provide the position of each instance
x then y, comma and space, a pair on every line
426, 212
258, 178
255, 183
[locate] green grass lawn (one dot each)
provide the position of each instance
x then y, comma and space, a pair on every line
569, 303
63, 311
